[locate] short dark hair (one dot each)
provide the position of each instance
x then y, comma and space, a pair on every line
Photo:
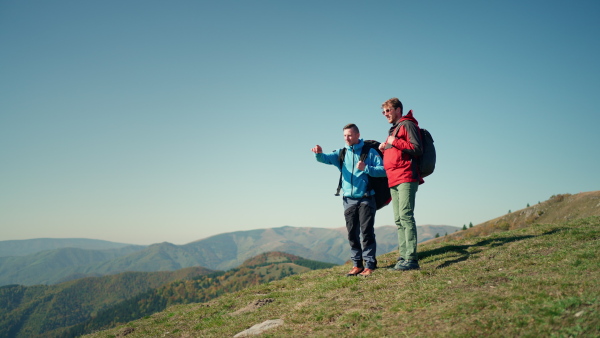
394, 103
351, 126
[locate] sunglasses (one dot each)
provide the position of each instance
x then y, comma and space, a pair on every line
387, 110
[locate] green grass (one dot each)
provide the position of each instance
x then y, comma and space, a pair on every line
539, 281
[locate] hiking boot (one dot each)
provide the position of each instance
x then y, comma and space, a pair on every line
366, 272
398, 265
411, 264
355, 271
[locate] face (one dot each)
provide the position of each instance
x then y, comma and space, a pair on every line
392, 114
351, 136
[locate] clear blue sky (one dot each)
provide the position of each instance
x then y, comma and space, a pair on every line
150, 121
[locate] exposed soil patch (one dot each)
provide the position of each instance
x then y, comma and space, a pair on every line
253, 306
125, 331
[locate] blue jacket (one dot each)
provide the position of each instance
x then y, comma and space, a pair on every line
354, 181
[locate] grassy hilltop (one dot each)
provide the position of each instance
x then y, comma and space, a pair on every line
522, 279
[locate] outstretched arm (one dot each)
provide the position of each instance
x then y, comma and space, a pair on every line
329, 158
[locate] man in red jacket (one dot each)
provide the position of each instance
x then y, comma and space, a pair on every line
400, 152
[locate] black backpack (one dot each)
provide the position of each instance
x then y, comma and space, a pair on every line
427, 160
382, 196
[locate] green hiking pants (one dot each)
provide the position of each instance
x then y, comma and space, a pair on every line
403, 200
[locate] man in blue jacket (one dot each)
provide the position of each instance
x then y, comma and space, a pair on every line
358, 200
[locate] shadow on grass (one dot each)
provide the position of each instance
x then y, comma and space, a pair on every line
465, 251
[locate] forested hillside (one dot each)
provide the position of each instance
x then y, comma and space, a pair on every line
72, 308
27, 311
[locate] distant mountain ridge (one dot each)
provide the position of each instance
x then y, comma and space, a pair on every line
220, 252
54, 266
228, 250
23, 247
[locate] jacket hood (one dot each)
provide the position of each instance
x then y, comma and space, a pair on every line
409, 117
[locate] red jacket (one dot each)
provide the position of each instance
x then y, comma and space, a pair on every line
399, 157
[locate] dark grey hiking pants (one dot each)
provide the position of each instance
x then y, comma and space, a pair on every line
360, 220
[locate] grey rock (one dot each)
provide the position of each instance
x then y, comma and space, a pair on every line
260, 328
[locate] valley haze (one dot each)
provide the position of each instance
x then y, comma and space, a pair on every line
51, 261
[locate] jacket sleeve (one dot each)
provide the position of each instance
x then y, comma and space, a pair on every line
374, 164
329, 158
412, 143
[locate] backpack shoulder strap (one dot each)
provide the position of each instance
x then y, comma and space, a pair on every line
363, 157
341, 159
395, 132
365, 152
